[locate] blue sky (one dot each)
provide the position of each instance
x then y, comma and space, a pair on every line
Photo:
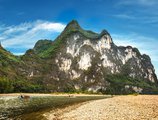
130, 22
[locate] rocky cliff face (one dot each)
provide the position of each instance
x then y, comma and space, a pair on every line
86, 61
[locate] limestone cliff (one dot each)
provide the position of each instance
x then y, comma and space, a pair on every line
80, 60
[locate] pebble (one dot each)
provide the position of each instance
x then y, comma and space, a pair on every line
129, 107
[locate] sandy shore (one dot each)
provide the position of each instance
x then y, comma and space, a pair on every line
141, 107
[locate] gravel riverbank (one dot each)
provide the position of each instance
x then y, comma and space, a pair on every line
130, 107
12, 106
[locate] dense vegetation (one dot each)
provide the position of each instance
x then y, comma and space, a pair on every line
117, 86
8, 86
118, 83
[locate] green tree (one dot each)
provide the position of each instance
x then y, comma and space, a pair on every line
5, 85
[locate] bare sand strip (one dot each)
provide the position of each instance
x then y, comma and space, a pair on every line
141, 107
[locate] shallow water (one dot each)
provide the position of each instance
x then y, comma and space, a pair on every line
33, 108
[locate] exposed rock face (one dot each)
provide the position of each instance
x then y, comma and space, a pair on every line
81, 60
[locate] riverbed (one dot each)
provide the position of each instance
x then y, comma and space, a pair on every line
14, 107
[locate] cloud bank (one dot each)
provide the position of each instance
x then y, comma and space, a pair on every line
19, 38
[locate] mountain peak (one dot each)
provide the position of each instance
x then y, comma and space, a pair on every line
73, 25
42, 45
104, 32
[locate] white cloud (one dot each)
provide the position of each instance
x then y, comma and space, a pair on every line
139, 11
124, 16
13, 29
26, 35
19, 53
56, 27
2, 38
146, 45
